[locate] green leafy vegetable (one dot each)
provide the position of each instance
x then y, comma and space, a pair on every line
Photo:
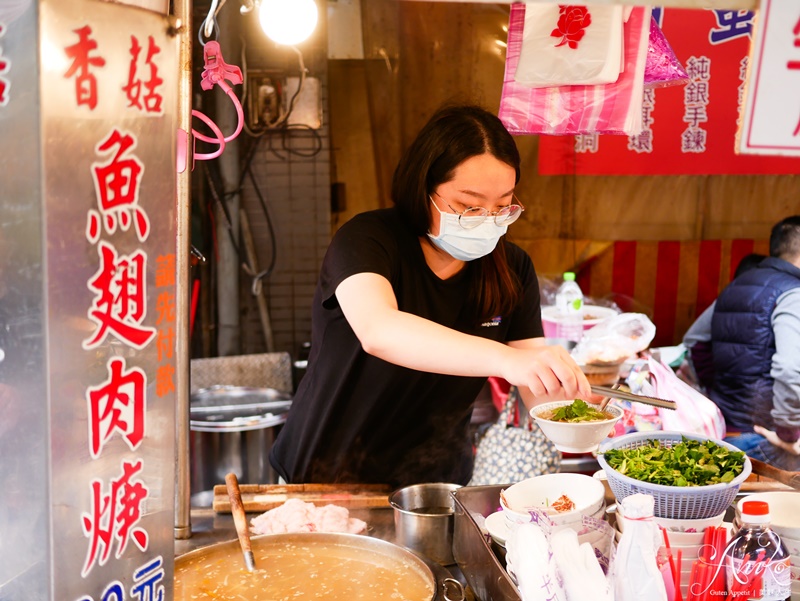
578, 411
687, 463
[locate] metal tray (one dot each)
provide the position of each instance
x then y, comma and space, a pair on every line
472, 546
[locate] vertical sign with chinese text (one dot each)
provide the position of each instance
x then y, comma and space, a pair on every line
771, 119
108, 117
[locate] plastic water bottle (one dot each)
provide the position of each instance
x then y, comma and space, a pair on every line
757, 562
569, 301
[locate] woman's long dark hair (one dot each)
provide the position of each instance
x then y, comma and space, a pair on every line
453, 135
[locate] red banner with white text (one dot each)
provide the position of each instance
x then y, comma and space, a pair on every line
688, 129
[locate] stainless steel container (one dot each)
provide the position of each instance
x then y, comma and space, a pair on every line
221, 565
232, 430
423, 519
482, 569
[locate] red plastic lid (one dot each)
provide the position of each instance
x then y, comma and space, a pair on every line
755, 508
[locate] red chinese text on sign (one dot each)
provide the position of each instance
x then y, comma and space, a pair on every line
165, 308
82, 64
165, 379
5, 67
150, 101
165, 270
117, 405
794, 65
119, 306
116, 183
115, 516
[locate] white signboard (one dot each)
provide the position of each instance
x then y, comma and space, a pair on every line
771, 120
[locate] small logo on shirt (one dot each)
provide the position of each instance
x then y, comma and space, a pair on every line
495, 321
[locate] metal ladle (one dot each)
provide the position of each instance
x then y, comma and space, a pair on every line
239, 519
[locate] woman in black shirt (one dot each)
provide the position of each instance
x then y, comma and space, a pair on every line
415, 307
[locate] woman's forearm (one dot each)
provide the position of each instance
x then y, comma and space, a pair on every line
370, 308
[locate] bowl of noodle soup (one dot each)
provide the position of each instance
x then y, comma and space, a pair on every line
575, 436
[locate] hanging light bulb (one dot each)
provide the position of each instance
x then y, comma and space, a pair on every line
288, 21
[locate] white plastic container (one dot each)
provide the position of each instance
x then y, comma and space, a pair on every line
569, 302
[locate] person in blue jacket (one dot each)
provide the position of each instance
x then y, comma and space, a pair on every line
755, 338
697, 339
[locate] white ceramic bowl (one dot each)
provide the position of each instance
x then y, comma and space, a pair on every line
689, 525
592, 315
784, 511
579, 437
676, 539
539, 492
689, 553
676, 528
497, 528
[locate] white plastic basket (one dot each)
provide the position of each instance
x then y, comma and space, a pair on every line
677, 502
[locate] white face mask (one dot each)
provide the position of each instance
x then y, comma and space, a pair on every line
466, 244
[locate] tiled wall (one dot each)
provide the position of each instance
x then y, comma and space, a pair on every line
297, 194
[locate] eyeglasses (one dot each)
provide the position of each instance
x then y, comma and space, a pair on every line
472, 217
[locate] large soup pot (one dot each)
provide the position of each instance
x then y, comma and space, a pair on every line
349, 567
232, 430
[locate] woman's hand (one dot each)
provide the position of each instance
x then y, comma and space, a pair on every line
549, 372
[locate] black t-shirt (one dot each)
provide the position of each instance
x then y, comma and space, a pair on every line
357, 418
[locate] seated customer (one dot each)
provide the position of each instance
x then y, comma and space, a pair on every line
697, 339
755, 337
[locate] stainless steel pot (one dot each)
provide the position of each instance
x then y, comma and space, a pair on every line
423, 519
223, 562
232, 430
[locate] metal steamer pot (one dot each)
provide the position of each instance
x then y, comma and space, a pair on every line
232, 430
403, 562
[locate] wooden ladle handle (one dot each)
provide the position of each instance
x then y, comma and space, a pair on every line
239, 519
784, 477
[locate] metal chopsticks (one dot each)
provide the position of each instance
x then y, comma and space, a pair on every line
636, 398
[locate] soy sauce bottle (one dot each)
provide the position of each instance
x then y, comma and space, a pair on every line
757, 562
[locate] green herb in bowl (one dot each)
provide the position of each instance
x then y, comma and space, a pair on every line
687, 463
578, 411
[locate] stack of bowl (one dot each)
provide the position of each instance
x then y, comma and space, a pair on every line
539, 493
785, 521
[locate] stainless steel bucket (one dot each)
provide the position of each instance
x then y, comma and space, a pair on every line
423, 519
232, 430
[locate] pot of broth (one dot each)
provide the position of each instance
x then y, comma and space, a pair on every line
309, 565
423, 519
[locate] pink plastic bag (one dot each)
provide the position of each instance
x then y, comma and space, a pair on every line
614, 108
662, 67
696, 413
